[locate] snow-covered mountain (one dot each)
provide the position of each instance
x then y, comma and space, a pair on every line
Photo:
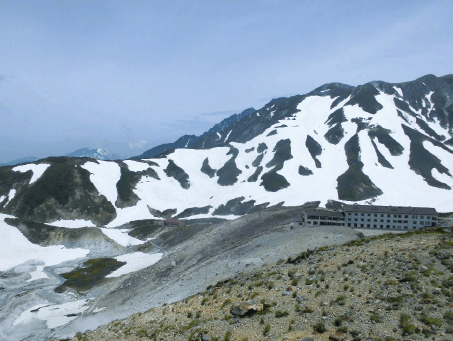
95, 153
380, 142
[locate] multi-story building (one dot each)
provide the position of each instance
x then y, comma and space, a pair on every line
373, 217
326, 218
389, 217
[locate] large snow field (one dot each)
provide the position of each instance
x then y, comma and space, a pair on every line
135, 261
399, 185
104, 176
136, 166
15, 249
37, 170
121, 237
55, 315
73, 224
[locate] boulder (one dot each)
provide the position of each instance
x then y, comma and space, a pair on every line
245, 308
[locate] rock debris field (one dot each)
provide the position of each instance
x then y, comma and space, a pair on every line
384, 287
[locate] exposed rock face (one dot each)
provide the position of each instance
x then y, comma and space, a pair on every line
64, 191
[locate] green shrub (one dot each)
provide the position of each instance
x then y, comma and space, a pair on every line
227, 336
279, 314
319, 327
225, 303
266, 329
406, 326
431, 320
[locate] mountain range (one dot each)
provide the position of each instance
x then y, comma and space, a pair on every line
82, 241
378, 142
95, 153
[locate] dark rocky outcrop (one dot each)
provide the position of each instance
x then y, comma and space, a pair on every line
206, 169
178, 174
314, 148
354, 185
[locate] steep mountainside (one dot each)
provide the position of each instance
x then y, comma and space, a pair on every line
385, 143
188, 141
183, 142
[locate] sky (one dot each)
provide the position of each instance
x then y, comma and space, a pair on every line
129, 75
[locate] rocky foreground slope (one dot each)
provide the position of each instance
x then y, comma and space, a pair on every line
387, 287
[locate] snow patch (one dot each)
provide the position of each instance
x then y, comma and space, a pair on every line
218, 134
37, 170
37, 274
55, 315
73, 224
226, 138
135, 261
104, 176
135, 166
399, 91
15, 249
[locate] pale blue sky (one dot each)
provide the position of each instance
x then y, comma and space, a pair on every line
127, 75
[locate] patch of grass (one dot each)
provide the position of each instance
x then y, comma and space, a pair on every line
270, 285
90, 275
319, 327
204, 301
253, 295
192, 324
406, 326
225, 303
267, 327
396, 299
307, 311
279, 314
431, 320
295, 281
376, 318
258, 283
227, 336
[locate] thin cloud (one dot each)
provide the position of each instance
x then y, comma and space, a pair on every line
138, 144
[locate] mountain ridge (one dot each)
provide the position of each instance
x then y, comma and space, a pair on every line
375, 142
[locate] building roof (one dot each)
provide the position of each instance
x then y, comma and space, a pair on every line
324, 213
389, 209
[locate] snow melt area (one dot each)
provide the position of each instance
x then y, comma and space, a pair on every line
104, 176
37, 170
134, 262
73, 224
399, 91
15, 249
135, 166
38, 274
226, 138
11, 195
121, 237
55, 315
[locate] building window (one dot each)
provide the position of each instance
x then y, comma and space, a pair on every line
375, 220
388, 226
382, 226
406, 216
367, 225
368, 220
375, 215
349, 224
374, 225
